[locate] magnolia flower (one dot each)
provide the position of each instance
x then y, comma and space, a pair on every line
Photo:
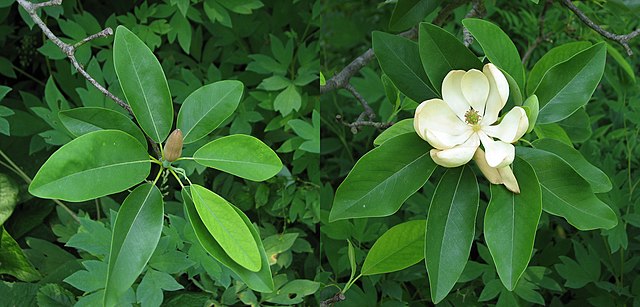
457, 124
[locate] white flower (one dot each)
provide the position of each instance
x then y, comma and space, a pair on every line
457, 124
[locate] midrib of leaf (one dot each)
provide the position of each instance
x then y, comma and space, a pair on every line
390, 255
570, 205
203, 116
231, 161
404, 64
353, 203
228, 233
144, 93
128, 232
567, 84
447, 223
91, 170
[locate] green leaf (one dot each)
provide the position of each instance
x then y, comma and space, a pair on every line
577, 126
4, 90
402, 127
136, 233
207, 107
398, 248
293, 292
227, 227
442, 52
597, 179
96, 164
149, 292
90, 280
498, 47
569, 85
532, 108
407, 13
555, 56
8, 197
352, 259
450, 229
287, 101
92, 237
260, 281
626, 67
13, 260
581, 272
552, 131
565, 193
510, 224
54, 295
399, 59
240, 155
143, 84
384, 178
80, 121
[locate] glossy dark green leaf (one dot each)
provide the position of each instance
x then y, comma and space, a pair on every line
553, 57
93, 165
401, 127
260, 281
384, 178
227, 227
136, 233
510, 224
240, 155
13, 260
569, 85
398, 248
408, 13
552, 131
498, 47
577, 126
565, 193
207, 107
597, 179
441, 52
8, 197
450, 229
400, 61
81, 121
143, 83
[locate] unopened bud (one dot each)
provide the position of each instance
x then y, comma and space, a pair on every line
173, 146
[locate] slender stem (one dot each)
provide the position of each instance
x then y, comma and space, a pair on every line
13, 167
28, 75
158, 176
177, 178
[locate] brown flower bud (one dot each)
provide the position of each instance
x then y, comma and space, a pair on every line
173, 146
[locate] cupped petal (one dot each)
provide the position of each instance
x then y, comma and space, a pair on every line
458, 155
435, 115
475, 89
498, 93
509, 179
444, 140
498, 153
452, 93
489, 172
512, 127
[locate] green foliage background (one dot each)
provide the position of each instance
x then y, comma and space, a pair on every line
271, 46
568, 266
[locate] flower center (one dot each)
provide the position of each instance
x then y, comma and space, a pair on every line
472, 117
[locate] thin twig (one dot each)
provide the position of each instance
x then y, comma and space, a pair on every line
70, 50
367, 109
542, 35
477, 10
622, 39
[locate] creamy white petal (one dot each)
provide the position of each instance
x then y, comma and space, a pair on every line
445, 140
489, 172
498, 93
475, 89
458, 155
435, 115
498, 153
512, 127
452, 93
509, 179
